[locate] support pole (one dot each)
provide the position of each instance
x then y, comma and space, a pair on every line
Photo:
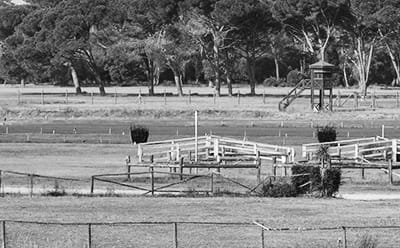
383, 131
262, 238
181, 168
390, 172
196, 148
92, 185
331, 99
4, 241
344, 237
176, 235
89, 235
152, 180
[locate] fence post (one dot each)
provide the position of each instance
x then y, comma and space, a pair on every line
152, 180
66, 96
258, 160
238, 97
390, 172
91, 97
264, 97
31, 185
181, 168
115, 95
89, 235
176, 234
355, 101
383, 131
42, 97
356, 149
394, 150
1, 183
4, 241
212, 183
190, 97
165, 98
140, 153
344, 236
262, 238
92, 185
397, 100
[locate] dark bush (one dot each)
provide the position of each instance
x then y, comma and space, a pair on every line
331, 181
327, 134
139, 134
279, 189
314, 177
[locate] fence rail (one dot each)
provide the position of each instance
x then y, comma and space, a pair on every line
260, 234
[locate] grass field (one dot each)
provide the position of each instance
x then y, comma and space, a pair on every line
93, 150
274, 213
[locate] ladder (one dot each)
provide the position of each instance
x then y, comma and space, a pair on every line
294, 93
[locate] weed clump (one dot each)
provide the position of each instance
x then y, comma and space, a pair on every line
139, 134
326, 134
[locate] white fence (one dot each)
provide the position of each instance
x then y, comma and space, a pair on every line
366, 148
211, 147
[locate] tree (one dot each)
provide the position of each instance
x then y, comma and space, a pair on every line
253, 27
361, 39
314, 22
388, 18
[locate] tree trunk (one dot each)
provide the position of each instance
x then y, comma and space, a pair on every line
277, 68
75, 80
217, 83
229, 83
395, 64
178, 82
252, 77
346, 80
100, 83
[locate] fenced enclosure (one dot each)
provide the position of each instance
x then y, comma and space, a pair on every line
30, 234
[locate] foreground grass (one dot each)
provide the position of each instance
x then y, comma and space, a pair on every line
290, 212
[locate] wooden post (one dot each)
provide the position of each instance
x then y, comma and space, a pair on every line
66, 96
238, 97
7, 130
42, 97
394, 150
397, 100
330, 99
152, 180
129, 172
91, 96
383, 131
264, 96
165, 98
31, 185
140, 153
356, 149
212, 183
140, 96
1, 183
176, 235
274, 167
19, 97
196, 144
338, 101
215, 97
363, 173
4, 240
373, 100
190, 97
262, 238
258, 160
355, 101
181, 168
92, 185
344, 237
115, 95
89, 235
390, 172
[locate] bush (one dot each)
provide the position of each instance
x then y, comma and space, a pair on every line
139, 134
280, 189
273, 82
314, 177
331, 181
327, 134
294, 77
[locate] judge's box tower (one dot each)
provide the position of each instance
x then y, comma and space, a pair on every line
321, 81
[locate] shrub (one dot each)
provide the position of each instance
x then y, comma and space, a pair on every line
327, 134
331, 181
139, 134
280, 189
367, 241
294, 77
314, 177
273, 82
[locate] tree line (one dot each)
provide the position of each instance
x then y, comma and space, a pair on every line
220, 42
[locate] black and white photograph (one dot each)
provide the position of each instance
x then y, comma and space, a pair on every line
199, 123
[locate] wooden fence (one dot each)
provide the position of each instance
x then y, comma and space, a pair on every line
259, 232
374, 148
209, 147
